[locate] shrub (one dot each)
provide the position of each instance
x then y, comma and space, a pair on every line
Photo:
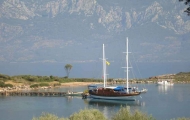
46, 78
125, 114
94, 114
141, 116
56, 79
2, 84
34, 86
48, 116
66, 77
8, 85
43, 84
29, 77
39, 85
4, 77
88, 114
57, 84
122, 114
51, 77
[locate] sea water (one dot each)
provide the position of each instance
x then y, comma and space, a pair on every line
162, 102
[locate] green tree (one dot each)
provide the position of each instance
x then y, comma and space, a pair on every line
68, 68
187, 2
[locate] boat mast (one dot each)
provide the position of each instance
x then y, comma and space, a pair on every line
127, 68
104, 67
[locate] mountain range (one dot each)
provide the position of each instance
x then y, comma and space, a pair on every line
73, 31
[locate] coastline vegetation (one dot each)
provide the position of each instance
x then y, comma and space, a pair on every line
94, 114
182, 76
86, 114
40, 81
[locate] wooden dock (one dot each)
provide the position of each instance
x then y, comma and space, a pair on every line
30, 93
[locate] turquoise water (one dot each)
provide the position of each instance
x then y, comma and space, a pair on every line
162, 102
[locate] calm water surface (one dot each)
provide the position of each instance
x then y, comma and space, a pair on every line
162, 102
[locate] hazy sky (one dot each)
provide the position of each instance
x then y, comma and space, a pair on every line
40, 38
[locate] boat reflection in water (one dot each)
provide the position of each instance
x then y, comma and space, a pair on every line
110, 107
102, 102
164, 88
98, 103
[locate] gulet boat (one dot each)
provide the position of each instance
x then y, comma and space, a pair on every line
114, 92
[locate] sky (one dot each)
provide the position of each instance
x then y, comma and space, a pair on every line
40, 41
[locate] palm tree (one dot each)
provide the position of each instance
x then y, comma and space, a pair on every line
68, 68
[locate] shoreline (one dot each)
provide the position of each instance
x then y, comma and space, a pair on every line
26, 86
78, 83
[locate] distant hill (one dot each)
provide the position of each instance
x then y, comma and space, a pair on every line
180, 77
56, 30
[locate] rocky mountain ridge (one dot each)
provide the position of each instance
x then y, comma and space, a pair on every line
41, 31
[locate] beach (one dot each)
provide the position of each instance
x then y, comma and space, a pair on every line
26, 85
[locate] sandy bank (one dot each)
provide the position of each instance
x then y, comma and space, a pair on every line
26, 86
78, 83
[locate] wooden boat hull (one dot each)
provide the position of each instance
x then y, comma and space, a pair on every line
110, 94
128, 98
